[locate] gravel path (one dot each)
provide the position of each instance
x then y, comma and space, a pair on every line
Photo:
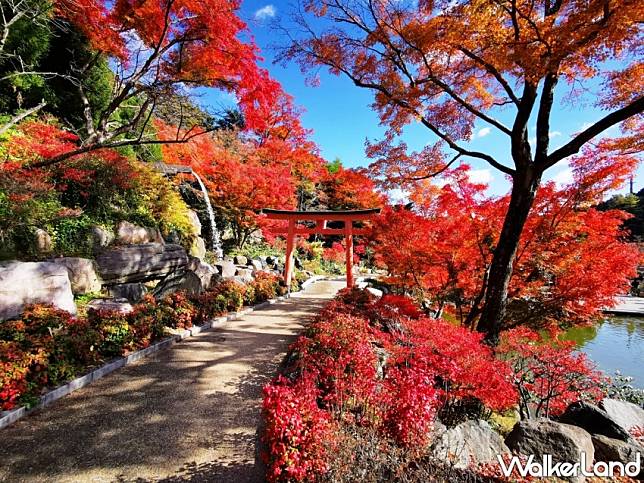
190, 413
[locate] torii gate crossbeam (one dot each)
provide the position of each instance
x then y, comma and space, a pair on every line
320, 218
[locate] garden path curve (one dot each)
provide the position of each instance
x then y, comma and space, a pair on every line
190, 413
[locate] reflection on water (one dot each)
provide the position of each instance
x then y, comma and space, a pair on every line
616, 344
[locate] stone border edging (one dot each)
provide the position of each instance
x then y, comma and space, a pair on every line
9, 417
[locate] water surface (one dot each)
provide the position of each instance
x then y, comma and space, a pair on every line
616, 344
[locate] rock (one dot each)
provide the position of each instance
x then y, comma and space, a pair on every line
184, 281
271, 261
256, 264
381, 361
198, 248
173, 237
244, 274
101, 237
298, 263
82, 274
594, 420
609, 449
206, 273
240, 260
470, 441
625, 414
139, 263
121, 306
195, 221
130, 234
132, 292
226, 268
24, 283
542, 436
42, 241
375, 291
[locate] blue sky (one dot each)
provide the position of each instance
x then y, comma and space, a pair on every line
341, 118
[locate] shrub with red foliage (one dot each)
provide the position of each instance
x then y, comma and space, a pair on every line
427, 365
298, 433
548, 374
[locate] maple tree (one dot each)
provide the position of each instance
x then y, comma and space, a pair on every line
451, 65
571, 259
349, 189
155, 48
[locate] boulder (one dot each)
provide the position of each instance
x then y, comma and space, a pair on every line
298, 263
244, 274
132, 292
24, 283
609, 449
184, 281
121, 306
226, 268
375, 291
198, 248
470, 441
101, 237
627, 415
139, 263
206, 273
240, 260
195, 221
538, 437
82, 274
130, 234
256, 264
42, 241
594, 420
271, 261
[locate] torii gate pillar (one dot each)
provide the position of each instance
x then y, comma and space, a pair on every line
320, 218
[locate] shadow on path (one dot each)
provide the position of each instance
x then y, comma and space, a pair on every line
190, 413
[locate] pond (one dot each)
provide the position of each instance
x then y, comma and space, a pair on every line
616, 344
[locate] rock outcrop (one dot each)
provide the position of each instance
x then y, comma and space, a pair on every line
627, 415
24, 283
594, 420
184, 280
140, 263
132, 292
468, 442
129, 234
82, 274
539, 437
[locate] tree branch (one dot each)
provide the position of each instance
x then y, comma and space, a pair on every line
16, 119
615, 117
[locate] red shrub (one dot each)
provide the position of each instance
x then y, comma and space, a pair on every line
548, 374
298, 434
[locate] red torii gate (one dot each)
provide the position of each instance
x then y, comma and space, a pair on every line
320, 218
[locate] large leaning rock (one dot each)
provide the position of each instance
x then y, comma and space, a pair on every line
539, 437
82, 274
129, 234
195, 221
470, 441
608, 449
625, 414
24, 283
594, 420
140, 263
182, 281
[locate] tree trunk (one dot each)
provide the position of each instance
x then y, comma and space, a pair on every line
524, 188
